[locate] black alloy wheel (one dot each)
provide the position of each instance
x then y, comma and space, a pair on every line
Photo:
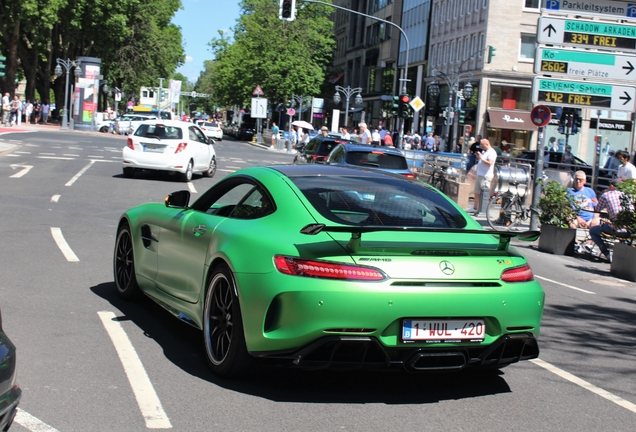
124, 265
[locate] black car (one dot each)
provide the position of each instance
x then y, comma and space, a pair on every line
10, 392
554, 161
246, 131
317, 149
372, 156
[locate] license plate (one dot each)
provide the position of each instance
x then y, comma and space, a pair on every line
152, 149
435, 331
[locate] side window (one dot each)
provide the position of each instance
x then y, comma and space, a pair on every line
239, 199
312, 146
255, 205
337, 155
196, 135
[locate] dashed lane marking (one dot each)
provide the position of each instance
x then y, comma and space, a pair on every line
191, 187
147, 398
565, 285
586, 385
55, 157
55, 198
64, 247
31, 423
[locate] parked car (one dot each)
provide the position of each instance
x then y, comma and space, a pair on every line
169, 145
126, 123
384, 158
347, 268
212, 130
317, 149
10, 392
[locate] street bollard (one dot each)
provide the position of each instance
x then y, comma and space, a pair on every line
483, 198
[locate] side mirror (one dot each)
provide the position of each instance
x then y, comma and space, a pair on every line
211, 141
179, 199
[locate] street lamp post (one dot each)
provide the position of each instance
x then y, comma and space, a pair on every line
453, 89
68, 63
300, 100
348, 92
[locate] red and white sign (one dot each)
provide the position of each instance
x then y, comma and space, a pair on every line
541, 115
258, 91
291, 112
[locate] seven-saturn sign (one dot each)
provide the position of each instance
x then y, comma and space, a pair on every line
583, 94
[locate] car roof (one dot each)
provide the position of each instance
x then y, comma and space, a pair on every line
327, 170
357, 147
175, 123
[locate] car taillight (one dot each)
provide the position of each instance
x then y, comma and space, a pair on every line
411, 175
130, 144
181, 147
518, 274
324, 269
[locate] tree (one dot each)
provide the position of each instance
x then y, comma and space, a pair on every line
284, 58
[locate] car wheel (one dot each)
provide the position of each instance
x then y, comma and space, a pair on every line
129, 172
187, 176
124, 265
104, 129
211, 169
223, 336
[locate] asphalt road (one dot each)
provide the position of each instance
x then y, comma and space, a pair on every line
62, 195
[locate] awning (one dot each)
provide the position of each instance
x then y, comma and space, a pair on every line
511, 119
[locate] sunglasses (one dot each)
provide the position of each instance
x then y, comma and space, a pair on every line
579, 179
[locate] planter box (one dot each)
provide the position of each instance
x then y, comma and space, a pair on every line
557, 241
624, 262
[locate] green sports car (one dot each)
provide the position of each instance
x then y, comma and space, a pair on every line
317, 266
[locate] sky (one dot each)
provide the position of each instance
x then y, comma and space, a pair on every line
200, 21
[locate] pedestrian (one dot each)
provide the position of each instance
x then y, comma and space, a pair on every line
388, 140
375, 137
275, 130
626, 170
305, 137
485, 172
439, 144
15, 106
417, 141
6, 109
429, 143
324, 131
345, 133
364, 136
37, 111
45, 112
28, 111
20, 109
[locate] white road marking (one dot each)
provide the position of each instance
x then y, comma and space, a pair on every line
25, 169
191, 187
586, 385
64, 247
21, 152
96, 157
67, 154
33, 424
234, 167
79, 174
12, 155
48, 154
55, 157
565, 285
226, 170
55, 198
147, 398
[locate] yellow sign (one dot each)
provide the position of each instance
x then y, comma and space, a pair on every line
417, 103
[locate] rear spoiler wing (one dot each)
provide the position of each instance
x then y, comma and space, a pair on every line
356, 233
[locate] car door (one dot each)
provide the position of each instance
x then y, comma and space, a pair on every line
202, 148
187, 239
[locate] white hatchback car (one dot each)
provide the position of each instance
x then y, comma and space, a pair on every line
211, 130
169, 145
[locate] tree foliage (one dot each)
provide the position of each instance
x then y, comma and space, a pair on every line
134, 39
284, 58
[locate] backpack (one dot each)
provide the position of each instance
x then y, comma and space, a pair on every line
416, 139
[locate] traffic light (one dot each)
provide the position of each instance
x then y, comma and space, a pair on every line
576, 123
395, 106
287, 10
403, 109
491, 53
462, 117
2, 65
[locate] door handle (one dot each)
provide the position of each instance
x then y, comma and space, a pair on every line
199, 230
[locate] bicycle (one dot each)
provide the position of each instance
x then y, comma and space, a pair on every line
506, 212
437, 179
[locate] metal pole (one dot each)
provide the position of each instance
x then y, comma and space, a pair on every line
65, 118
538, 176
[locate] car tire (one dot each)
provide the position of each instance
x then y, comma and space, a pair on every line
129, 172
104, 129
223, 336
211, 168
187, 175
124, 265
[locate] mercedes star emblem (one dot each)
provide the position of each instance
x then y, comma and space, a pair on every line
447, 268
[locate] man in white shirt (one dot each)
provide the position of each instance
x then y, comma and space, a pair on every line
626, 170
485, 171
364, 135
6, 109
376, 139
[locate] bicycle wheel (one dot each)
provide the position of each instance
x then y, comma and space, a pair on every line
437, 180
504, 213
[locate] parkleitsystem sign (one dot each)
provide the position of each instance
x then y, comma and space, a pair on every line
585, 64
613, 8
583, 94
582, 33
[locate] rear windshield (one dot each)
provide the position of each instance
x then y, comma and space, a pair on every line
159, 131
378, 160
384, 201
